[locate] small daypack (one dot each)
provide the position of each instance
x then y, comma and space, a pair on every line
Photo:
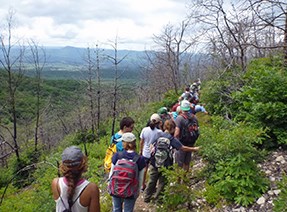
188, 135
111, 150
163, 153
124, 181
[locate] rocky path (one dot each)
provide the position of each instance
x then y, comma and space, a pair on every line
274, 166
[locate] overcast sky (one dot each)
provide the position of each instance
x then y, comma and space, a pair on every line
83, 23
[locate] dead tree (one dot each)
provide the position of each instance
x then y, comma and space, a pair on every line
273, 13
116, 86
38, 56
13, 66
167, 60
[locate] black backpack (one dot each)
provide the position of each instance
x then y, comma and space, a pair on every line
188, 135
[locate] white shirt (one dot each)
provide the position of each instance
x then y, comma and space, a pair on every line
149, 136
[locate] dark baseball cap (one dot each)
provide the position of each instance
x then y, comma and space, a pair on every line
72, 156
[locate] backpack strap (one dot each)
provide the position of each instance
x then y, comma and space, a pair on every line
121, 155
136, 157
71, 203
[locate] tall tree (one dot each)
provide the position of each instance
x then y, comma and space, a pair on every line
166, 62
273, 13
90, 87
12, 63
98, 78
38, 57
115, 60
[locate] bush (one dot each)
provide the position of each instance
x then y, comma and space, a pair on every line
230, 150
262, 100
239, 180
280, 204
177, 194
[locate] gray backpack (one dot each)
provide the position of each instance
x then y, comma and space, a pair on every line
163, 153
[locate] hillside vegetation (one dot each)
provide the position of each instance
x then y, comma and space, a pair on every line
244, 126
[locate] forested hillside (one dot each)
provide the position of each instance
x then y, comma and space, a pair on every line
241, 164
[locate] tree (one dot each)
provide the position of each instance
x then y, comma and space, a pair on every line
98, 78
273, 13
38, 56
116, 86
166, 62
90, 89
12, 63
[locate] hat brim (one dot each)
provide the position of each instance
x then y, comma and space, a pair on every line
185, 108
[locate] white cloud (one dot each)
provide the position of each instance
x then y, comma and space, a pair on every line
79, 23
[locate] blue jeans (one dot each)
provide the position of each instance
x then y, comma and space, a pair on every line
128, 206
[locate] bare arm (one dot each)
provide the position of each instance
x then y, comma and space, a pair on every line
94, 205
55, 190
189, 149
177, 133
141, 146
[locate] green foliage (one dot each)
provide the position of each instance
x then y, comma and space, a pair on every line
238, 179
280, 204
232, 172
177, 194
262, 100
170, 98
84, 137
212, 195
222, 140
24, 168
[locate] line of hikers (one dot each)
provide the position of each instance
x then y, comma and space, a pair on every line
169, 137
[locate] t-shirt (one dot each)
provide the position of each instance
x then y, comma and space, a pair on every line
180, 122
149, 136
174, 143
199, 108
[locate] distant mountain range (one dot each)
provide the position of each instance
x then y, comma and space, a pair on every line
70, 62
76, 56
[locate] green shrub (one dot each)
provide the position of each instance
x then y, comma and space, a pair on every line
212, 196
262, 99
280, 204
231, 154
239, 180
177, 193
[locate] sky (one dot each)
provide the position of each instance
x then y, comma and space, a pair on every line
84, 23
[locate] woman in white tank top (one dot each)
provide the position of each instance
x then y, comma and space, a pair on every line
71, 192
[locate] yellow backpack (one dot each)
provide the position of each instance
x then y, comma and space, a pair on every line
111, 150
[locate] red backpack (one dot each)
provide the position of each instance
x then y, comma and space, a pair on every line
124, 181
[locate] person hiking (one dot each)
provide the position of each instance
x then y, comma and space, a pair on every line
187, 94
126, 125
156, 178
72, 192
164, 114
199, 108
147, 136
173, 108
187, 132
176, 113
126, 175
